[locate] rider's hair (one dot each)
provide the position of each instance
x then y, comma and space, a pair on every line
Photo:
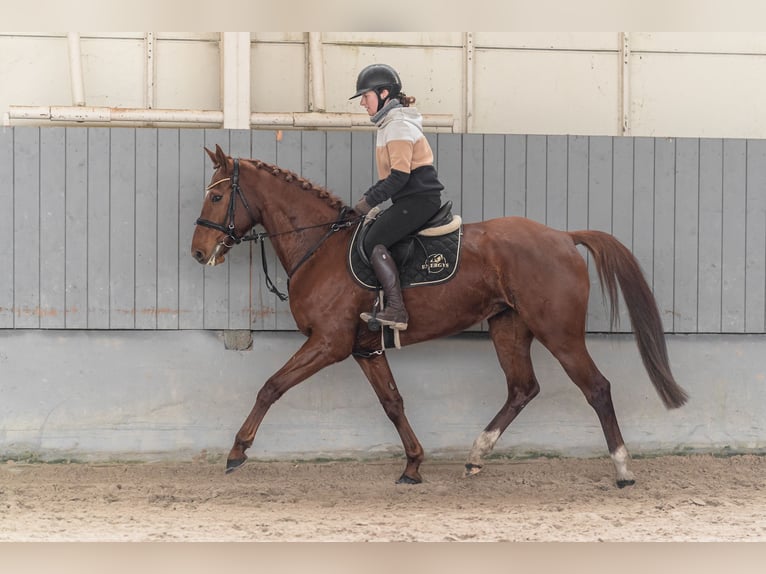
406, 100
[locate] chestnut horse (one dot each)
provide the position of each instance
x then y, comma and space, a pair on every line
527, 280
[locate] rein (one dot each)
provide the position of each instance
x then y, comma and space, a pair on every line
229, 230
335, 226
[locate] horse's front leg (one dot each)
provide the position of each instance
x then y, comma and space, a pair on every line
379, 374
315, 354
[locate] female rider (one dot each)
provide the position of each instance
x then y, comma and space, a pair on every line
407, 177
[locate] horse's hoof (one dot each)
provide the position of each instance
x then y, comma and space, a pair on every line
472, 469
404, 479
624, 483
234, 464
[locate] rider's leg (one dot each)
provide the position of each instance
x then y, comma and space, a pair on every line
394, 314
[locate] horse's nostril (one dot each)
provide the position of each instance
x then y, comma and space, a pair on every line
199, 256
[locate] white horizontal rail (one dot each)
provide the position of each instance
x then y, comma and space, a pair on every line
102, 114
91, 114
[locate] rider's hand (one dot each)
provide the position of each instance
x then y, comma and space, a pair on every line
362, 207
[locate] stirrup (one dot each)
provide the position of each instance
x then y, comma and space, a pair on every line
374, 322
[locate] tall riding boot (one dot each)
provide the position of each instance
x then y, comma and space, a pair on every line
394, 314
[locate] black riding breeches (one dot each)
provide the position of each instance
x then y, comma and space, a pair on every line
401, 219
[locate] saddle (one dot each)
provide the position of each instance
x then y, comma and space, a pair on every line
427, 257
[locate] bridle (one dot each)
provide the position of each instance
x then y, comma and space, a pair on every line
230, 230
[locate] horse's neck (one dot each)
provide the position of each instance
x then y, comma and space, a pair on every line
289, 216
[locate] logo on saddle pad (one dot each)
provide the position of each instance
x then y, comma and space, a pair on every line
435, 263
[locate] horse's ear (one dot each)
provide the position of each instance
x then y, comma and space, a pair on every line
212, 157
221, 159
218, 157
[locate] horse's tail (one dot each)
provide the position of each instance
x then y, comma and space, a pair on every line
616, 264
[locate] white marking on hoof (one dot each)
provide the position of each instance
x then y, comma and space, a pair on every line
620, 458
482, 446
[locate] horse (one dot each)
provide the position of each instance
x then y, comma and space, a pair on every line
527, 280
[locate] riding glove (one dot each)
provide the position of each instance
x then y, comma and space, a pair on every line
362, 207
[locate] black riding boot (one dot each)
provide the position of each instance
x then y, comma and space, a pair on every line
394, 314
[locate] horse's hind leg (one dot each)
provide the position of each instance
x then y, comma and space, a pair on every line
512, 340
382, 380
579, 365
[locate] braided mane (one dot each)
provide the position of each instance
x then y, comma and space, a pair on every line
320, 192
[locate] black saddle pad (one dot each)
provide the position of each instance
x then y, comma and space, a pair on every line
428, 260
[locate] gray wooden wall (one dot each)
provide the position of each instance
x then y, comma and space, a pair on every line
96, 223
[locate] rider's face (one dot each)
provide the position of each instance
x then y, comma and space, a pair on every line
369, 101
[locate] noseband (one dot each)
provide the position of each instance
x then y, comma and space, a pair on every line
229, 228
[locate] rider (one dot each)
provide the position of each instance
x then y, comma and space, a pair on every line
407, 177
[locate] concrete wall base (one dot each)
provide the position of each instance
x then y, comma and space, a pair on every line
141, 395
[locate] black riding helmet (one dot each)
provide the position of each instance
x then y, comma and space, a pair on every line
378, 77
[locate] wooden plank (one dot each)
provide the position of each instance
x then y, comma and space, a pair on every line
472, 182
622, 211
147, 228
536, 178
755, 244
515, 175
685, 290
556, 182
122, 229
600, 167
169, 249
76, 234
99, 234
314, 158
216, 279
493, 176
577, 183
52, 228
734, 236
240, 258
264, 148
7, 191
338, 177
710, 235
26, 227
664, 228
192, 182
449, 166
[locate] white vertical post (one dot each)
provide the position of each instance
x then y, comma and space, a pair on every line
625, 126
150, 70
75, 69
316, 73
468, 81
235, 80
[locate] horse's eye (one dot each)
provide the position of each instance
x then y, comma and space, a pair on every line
216, 198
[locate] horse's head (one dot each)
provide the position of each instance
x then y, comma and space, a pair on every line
226, 215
